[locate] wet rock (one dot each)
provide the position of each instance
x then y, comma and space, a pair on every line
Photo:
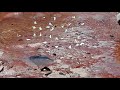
40, 60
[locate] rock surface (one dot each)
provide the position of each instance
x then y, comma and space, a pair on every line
81, 44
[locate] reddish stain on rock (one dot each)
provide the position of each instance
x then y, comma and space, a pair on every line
21, 34
117, 52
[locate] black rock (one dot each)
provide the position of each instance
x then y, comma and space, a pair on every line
45, 69
119, 22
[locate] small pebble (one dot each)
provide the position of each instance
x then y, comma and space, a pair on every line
34, 34
73, 16
66, 30
18, 35
54, 18
87, 53
33, 27
52, 29
56, 46
44, 17
28, 39
82, 24
61, 38
50, 24
76, 41
46, 71
69, 24
62, 26
50, 36
77, 44
48, 51
40, 34
56, 38
18, 76
47, 26
54, 54
45, 42
61, 57
81, 43
40, 28
70, 47
35, 22
111, 36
